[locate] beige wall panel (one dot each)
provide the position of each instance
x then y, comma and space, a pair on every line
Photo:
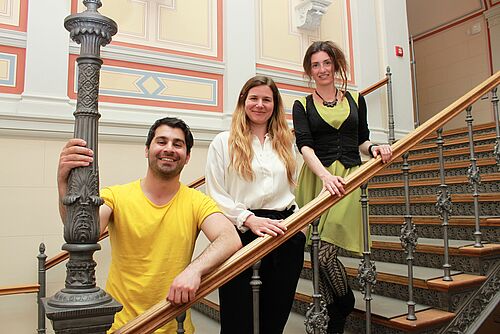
449, 64
187, 89
193, 13
4, 69
334, 25
24, 167
186, 25
9, 12
19, 314
288, 101
131, 16
27, 212
443, 12
120, 82
279, 43
21, 268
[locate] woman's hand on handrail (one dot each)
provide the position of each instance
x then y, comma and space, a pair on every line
262, 226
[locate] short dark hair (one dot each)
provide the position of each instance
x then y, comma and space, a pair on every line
172, 122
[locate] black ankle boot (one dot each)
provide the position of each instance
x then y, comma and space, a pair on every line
338, 312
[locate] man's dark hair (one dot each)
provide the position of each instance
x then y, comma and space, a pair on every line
172, 122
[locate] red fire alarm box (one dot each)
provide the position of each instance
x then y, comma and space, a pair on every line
399, 51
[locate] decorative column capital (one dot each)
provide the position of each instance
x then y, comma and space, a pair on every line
309, 13
90, 28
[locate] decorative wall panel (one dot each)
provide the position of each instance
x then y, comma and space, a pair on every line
11, 70
13, 14
277, 21
291, 93
148, 85
187, 27
445, 12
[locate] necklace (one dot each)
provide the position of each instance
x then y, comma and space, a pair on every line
329, 104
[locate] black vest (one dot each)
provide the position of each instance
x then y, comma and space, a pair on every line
331, 144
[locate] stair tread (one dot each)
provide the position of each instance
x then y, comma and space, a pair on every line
435, 166
455, 141
433, 220
424, 241
381, 306
463, 130
433, 181
396, 269
414, 199
449, 152
429, 245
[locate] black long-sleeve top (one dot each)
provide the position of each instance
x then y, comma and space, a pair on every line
328, 143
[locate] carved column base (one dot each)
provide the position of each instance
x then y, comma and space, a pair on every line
82, 320
81, 307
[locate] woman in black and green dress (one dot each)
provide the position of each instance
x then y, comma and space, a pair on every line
331, 129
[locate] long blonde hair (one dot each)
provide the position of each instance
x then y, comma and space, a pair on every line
240, 137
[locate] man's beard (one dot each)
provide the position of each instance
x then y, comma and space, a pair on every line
165, 174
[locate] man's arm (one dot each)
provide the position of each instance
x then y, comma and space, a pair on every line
74, 154
224, 243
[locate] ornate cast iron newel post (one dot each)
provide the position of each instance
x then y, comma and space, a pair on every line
82, 307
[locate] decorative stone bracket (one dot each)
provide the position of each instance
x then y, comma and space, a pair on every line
309, 13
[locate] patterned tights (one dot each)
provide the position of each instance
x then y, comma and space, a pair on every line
332, 274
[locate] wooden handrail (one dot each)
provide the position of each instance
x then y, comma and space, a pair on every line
54, 261
373, 87
19, 289
164, 312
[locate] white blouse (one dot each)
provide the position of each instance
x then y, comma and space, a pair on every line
234, 195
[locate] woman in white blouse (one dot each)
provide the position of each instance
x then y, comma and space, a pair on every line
251, 174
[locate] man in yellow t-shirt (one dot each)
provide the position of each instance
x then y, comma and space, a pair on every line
153, 225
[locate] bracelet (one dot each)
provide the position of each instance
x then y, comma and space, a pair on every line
370, 149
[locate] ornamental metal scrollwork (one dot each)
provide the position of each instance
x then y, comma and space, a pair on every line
473, 175
408, 236
469, 313
316, 319
443, 203
367, 274
496, 154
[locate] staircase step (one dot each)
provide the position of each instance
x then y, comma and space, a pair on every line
415, 158
435, 246
460, 132
434, 181
393, 272
431, 220
424, 205
459, 140
429, 253
204, 324
429, 288
455, 198
387, 313
448, 165
459, 228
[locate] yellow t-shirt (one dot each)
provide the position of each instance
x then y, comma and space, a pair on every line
150, 246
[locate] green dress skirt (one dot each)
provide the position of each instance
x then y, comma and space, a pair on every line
342, 224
